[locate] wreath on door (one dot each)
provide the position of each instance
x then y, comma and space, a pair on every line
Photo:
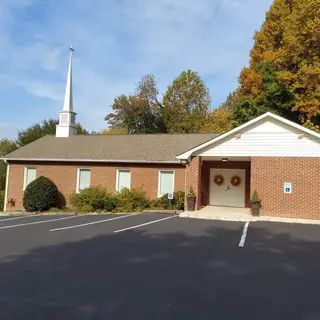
235, 181
219, 179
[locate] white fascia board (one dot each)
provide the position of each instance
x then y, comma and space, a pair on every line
294, 125
186, 155
87, 160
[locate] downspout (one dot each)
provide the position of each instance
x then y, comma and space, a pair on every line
7, 187
185, 188
185, 162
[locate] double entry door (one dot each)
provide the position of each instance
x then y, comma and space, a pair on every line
226, 194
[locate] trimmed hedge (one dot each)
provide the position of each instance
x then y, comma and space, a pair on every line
40, 195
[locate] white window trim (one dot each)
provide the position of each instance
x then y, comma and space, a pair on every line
78, 178
159, 179
117, 178
25, 176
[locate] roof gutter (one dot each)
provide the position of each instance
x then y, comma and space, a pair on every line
88, 160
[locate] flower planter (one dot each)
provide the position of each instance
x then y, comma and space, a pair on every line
255, 209
191, 201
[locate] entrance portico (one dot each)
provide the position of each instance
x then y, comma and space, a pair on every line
202, 174
265, 154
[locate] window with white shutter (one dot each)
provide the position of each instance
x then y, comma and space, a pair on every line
166, 182
123, 179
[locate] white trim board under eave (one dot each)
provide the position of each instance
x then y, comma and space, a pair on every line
89, 160
187, 154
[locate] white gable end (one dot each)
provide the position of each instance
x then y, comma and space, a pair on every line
268, 137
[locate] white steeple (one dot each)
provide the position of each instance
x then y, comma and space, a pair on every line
67, 119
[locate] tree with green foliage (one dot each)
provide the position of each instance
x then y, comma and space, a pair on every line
39, 130
184, 108
6, 146
274, 96
26, 136
228, 104
140, 112
287, 48
186, 103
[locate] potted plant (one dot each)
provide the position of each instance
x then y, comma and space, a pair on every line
191, 199
255, 204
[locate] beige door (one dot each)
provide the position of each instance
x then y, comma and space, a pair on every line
226, 194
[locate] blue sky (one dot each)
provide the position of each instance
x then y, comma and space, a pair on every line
116, 42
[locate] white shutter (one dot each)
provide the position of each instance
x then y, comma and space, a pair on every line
29, 175
84, 179
166, 182
123, 179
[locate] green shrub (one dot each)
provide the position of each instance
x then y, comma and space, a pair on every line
179, 198
255, 198
130, 200
40, 195
92, 199
163, 203
191, 192
1, 200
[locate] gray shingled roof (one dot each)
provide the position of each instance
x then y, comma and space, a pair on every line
136, 148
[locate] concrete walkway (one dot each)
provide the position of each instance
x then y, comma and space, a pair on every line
239, 214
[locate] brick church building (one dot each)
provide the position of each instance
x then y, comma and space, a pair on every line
278, 158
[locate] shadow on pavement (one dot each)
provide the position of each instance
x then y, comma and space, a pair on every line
136, 275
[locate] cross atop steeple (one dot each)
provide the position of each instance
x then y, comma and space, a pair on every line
66, 126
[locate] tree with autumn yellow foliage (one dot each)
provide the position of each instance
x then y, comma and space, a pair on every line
218, 120
115, 130
284, 71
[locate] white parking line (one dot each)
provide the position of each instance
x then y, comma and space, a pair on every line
89, 223
244, 235
144, 224
38, 222
15, 218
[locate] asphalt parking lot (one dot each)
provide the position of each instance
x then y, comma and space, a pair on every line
156, 266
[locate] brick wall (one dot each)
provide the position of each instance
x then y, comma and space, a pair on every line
65, 177
193, 178
268, 176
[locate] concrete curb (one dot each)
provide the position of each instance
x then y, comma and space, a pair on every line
22, 213
249, 218
162, 211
